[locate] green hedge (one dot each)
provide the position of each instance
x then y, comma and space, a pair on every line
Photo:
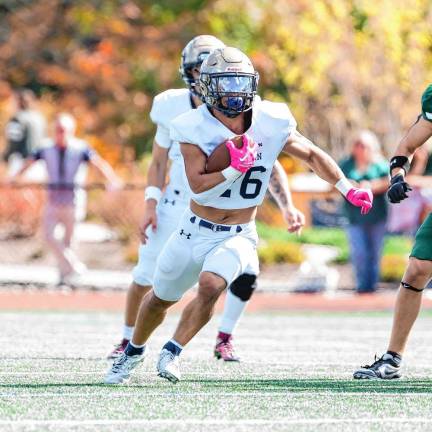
393, 245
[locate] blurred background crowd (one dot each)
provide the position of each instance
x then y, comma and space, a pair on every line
352, 72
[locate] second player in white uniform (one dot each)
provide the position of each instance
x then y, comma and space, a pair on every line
159, 224
166, 107
216, 238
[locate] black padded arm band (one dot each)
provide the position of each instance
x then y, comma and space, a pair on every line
399, 162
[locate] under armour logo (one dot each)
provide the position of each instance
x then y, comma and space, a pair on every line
188, 236
167, 201
260, 144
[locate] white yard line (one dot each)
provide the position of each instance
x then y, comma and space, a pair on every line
286, 393
207, 422
99, 372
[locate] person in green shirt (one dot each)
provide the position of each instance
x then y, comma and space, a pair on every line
367, 168
419, 270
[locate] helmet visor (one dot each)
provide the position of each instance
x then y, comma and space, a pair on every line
233, 84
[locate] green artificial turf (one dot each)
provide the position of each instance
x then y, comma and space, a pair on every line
295, 375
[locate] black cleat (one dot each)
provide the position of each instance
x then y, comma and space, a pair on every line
385, 367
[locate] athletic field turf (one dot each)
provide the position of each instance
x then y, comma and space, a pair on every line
295, 375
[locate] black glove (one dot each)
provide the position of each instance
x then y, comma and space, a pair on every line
398, 189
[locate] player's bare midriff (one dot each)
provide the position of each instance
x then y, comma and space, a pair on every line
222, 216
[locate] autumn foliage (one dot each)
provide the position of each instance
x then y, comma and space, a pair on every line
340, 64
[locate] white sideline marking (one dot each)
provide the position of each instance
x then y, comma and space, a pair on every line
249, 422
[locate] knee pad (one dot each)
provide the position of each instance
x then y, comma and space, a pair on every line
244, 286
410, 287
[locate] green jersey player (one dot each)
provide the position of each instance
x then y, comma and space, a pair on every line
419, 270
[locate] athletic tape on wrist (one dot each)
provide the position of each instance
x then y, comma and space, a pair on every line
231, 173
343, 186
152, 192
399, 162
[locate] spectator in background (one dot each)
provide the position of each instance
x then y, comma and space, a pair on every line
367, 168
24, 131
63, 157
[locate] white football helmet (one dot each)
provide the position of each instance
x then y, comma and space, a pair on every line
228, 81
193, 55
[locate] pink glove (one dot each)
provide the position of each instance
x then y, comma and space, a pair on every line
360, 198
243, 158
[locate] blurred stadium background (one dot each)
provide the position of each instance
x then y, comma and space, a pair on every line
341, 65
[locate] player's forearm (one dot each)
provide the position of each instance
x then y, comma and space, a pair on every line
202, 182
216, 191
324, 166
279, 188
156, 174
319, 161
416, 136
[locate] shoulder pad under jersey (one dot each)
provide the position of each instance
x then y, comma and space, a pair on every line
274, 117
168, 105
187, 126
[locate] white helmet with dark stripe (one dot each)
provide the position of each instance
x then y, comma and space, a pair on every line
228, 81
193, 54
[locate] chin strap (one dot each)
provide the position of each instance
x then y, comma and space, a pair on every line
410, 287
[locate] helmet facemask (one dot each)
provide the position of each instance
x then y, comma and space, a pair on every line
187, 75
229, 92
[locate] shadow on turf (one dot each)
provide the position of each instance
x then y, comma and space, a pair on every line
270, 385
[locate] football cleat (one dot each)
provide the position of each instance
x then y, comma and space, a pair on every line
224, 350
121, 369
118, 349
168, 366
385, 367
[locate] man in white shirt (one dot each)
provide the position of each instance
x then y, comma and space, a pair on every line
63, 156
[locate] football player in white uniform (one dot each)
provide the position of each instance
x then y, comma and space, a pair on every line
215, 241
162, 210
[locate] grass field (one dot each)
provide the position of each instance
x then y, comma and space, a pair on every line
295, 375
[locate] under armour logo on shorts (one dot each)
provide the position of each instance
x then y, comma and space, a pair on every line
167, 201
188, 236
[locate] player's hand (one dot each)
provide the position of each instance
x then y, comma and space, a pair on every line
398, 189
149, 219
243, 158
295, 220
362, 198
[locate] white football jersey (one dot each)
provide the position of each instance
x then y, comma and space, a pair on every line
272, 124
167, 106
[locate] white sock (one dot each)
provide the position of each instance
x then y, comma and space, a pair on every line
128, 332
233, 310
137, 346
